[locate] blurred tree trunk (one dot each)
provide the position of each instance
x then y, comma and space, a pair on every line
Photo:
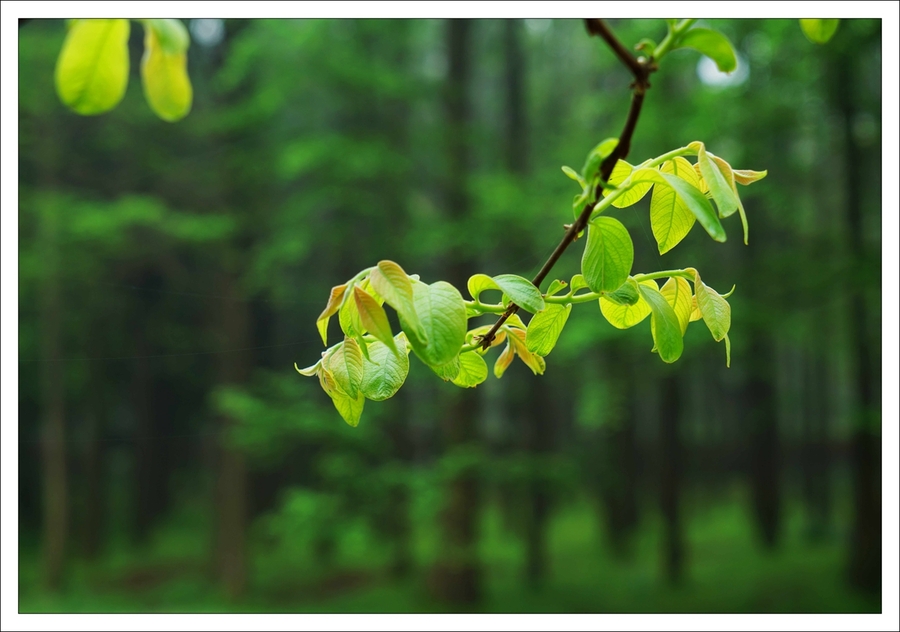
540, 439
458, 574
670, 473
816, 449
865, 553
144, 440
761, 422
231, 479
53, 396
94, 461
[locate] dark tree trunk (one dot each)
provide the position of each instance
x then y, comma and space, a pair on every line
540, 441
816, 456
54, 413
670, 481
94, 459
761, 423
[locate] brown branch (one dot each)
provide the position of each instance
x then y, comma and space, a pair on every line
641, 71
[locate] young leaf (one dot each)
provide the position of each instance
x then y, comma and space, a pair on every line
748, 176
727, 351
534, 362
577, 283
715, 310
373, 318
310, 370
92, 68
819, 31
348, 316
479, 283
350, 408
442, 314
345, 366
555, 286
171, 34
472, 370
334, 304
663, 325
728, 172
626, 316
521, 291
716, 181
608, 254
596, 157
167, 86
695, 310
712, 44
503, 361
670, 218
447, 371
625, 295
634, 194
544, 329
574, 175
677, 291
693, 198
515, 321
390, 281
384, 371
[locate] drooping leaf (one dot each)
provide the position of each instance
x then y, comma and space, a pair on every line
818, 30
596, 157
670, 218
623, 316
479, 283
728, 172
664, 325
693, 198
634, 194
608, 254
714, 308
331, 308
390, 281
532, 361
695, 310
310, 370
521, 291
677, 291
385, 371
442, 314
716, 181
712, 44
447, 371
473, 370
348, 316
545, 328
172, 35
748, 176
574, 175
350, 408
92, 68
345, 366
504, 360
373, 318
167, 86
625, 295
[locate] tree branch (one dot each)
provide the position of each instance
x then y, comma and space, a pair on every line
641, 71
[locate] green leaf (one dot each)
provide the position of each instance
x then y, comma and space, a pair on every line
479, 283
727, 351
521, 291
545, 328
555, 286
442, 314
385, 371
373, 318
712, 44
350, 408
504, 360
608, 254
577, 283
167, 86
714, 308
596, 156
448, 371
663, 325
472, 370
92, 68
819, 31
693, 198
728, 172
748, 176
574, 175
670, 218
635, 192
345, 365
331, 308
626, 316
717, 181
348, 316
625, 295
394, 285
310, 370
171, 34
677, 291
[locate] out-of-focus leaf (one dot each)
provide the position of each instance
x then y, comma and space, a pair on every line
819, 31
712, 44
167, 86
92, 68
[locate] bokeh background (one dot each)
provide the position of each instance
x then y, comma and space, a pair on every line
170, 458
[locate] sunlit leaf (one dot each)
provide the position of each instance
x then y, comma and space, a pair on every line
818, 30
608, 254
331, 308
350, 408
532, 361
596, 157
574, 175
167, 86
310, 370
695, 310
715, 310
748, 176
545, 328
521, 291
92, 68
634, 194
442, 314
345, 364
670, 218
171, 34
392, 283
578, 282
473, 370
555, 286
626, 316
373, 318
479, 283
503, 361
717, 181
693, 198
385, 371
447, 371
627, 294
664, 325
712, 44
677, 291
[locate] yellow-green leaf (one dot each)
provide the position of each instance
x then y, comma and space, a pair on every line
715, 310
715, 180
748, 176
625, 316
472, 370
170, 33
92, 68
331, 308
350, 408
634, 194
385, 371
479, 283
447, 371
608, 254
167, 86
670, 218
712, 44
520, 291
390, 281
345, 365
532, 361
373, 318
693, 198
819, 31
664, 325
677, 292
442, 314
545, 328
504, 360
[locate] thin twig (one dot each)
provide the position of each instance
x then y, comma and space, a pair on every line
641, 71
